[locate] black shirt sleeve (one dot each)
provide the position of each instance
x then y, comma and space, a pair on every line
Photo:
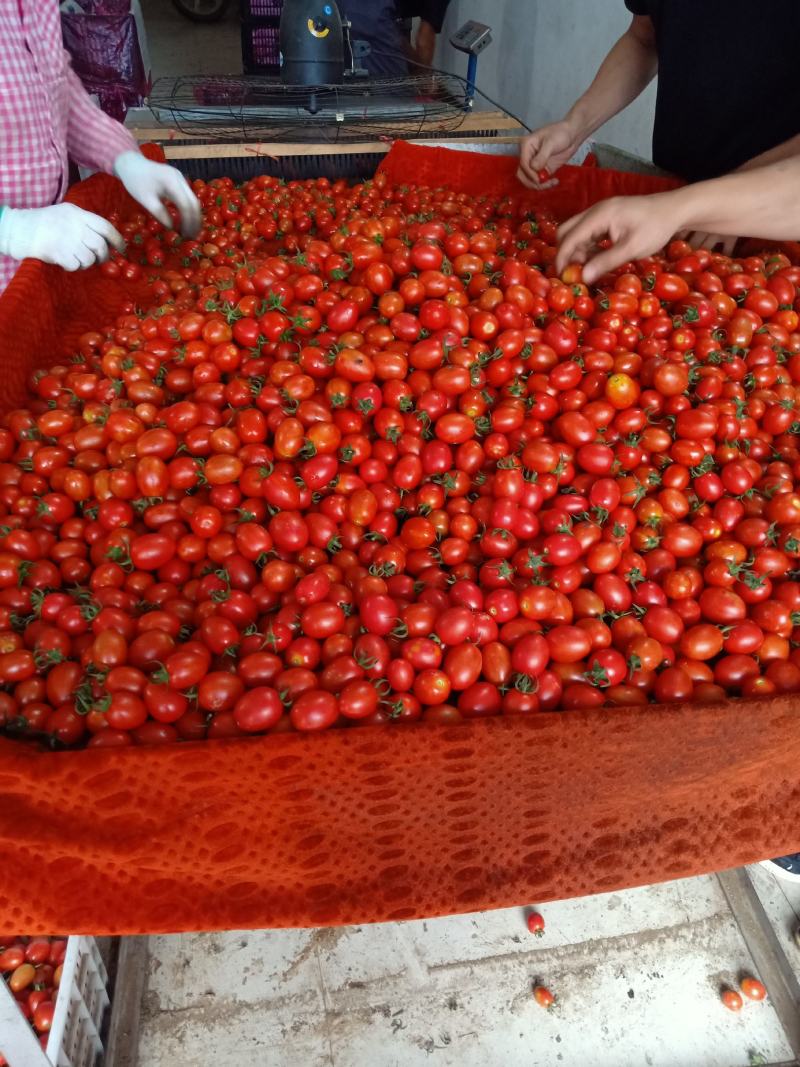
434, 11
699, 133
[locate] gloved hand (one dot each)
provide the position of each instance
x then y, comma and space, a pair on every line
62, 234
153, 183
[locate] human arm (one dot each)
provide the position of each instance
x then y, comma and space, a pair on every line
702, 239
758, 203
626, 71
425, 44
96, 140
431, 14
785, 150
61, 234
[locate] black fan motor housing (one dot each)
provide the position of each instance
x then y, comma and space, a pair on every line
312, 43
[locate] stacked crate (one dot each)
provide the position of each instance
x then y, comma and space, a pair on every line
261, 36
81, 1004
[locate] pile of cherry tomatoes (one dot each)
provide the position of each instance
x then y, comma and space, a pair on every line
366, 459
32, 967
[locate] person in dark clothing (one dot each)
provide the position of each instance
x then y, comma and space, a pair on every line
431, 15
377, 36
719, 62
727, 108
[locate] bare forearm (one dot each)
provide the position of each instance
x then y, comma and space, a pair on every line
425, 43
763, 202
774, 155
626, 71
93, 138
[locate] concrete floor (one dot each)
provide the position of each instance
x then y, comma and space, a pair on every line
636, 976
179, 46
781, 901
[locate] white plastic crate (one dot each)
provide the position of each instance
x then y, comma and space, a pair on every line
81, 1003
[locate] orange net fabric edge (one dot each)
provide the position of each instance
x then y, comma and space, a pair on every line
371, 824
377, 824
479, 174
578, 188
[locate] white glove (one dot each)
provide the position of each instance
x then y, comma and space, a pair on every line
153, 183
62, 234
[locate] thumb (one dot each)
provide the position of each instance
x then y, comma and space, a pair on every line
546, 149
530, 147
568, 227
578, 235
153, 203
606, 261
108, 232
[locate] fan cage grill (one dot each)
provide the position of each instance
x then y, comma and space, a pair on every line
263, 109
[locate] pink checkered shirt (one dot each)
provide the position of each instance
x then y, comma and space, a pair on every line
46, 116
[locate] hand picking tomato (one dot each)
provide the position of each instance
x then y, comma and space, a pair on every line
364, 459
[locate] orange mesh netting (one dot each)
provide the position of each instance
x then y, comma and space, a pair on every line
44, 310
479, 174
373, 823
578, 187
